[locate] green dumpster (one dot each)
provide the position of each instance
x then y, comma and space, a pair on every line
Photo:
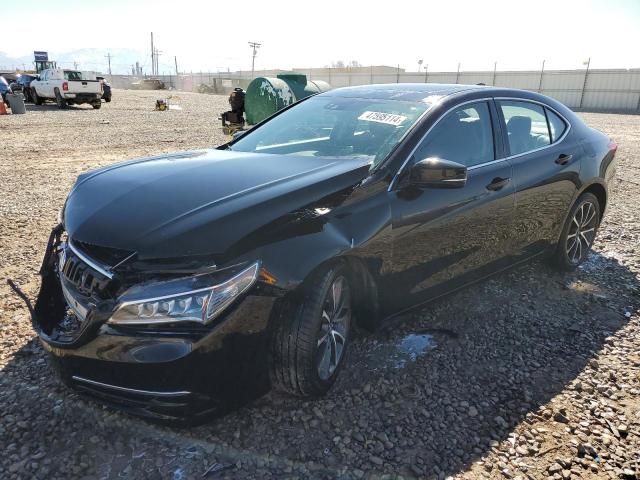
266, 95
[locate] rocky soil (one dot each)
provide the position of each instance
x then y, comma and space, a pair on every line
531, 374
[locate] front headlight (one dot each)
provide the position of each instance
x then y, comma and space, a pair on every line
179, 301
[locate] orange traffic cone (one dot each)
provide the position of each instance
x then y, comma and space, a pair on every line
3, 109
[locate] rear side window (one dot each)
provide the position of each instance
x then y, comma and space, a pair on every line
557, 126
526, 126
464, 136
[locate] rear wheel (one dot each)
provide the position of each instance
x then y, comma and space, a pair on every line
96, 105
309, 344
579, 233
60, 102
36, 99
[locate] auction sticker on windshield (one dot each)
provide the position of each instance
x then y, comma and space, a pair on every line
381, 117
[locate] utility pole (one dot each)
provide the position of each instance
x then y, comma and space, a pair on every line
584, 85
153, 57
255, 46
458, 73
426, 73
175, 59
158, 52
108, 57
495, 67
75, 65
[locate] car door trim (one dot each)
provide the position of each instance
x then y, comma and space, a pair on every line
454, 107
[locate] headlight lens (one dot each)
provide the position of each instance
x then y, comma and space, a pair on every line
185, 304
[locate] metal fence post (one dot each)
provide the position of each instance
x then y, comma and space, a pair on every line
541, 74
398, 74
584, 85
426, 73
458, 73
495, 66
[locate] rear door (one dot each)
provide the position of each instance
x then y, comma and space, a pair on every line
546, 167
443, 238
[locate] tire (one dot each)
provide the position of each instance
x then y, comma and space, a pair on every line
578, 234
36, 99
60, 102
96, 105
310, 340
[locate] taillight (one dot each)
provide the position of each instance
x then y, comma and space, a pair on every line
65, 86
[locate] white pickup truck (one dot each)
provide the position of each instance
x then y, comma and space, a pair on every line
66, 87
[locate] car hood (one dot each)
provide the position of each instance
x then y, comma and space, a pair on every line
199, 202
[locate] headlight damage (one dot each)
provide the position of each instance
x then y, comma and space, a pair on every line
192, 299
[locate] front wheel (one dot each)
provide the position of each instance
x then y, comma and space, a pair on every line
579, 233
309, 343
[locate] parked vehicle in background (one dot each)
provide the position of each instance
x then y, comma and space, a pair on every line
177, 283
106, 89
149, 84
24, 83
66, 87
4, 89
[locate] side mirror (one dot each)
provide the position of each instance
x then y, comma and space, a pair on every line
438, 173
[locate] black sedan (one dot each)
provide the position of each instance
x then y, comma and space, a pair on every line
179, 285
106, 89
22, 84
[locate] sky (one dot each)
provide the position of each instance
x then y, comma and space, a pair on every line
214, 35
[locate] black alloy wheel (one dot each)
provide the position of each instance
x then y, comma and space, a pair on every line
579, 232
310, 341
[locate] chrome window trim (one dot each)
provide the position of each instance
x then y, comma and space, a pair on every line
130, 390
544, 105
475, 100
89, 262
473, 167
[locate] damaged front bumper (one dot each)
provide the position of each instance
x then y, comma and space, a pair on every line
166, 372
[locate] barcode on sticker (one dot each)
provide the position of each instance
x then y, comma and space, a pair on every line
381, 117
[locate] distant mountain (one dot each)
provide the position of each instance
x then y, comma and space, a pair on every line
94, 59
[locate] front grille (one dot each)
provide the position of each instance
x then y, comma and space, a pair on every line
80, 275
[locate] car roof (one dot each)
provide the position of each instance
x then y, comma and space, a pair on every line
408, 92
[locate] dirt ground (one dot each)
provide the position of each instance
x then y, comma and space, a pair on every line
531, 374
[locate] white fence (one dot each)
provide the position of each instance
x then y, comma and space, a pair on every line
615, 90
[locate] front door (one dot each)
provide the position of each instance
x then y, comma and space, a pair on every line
443, 238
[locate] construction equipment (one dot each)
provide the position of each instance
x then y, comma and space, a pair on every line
233, 120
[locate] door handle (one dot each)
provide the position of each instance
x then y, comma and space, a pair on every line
563, 159
498, 183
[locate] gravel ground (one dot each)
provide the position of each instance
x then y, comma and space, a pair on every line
531, 374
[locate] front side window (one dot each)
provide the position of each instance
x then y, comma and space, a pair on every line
464, 136
337, 127
526, 126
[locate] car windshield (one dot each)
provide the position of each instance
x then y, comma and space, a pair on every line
326, 126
